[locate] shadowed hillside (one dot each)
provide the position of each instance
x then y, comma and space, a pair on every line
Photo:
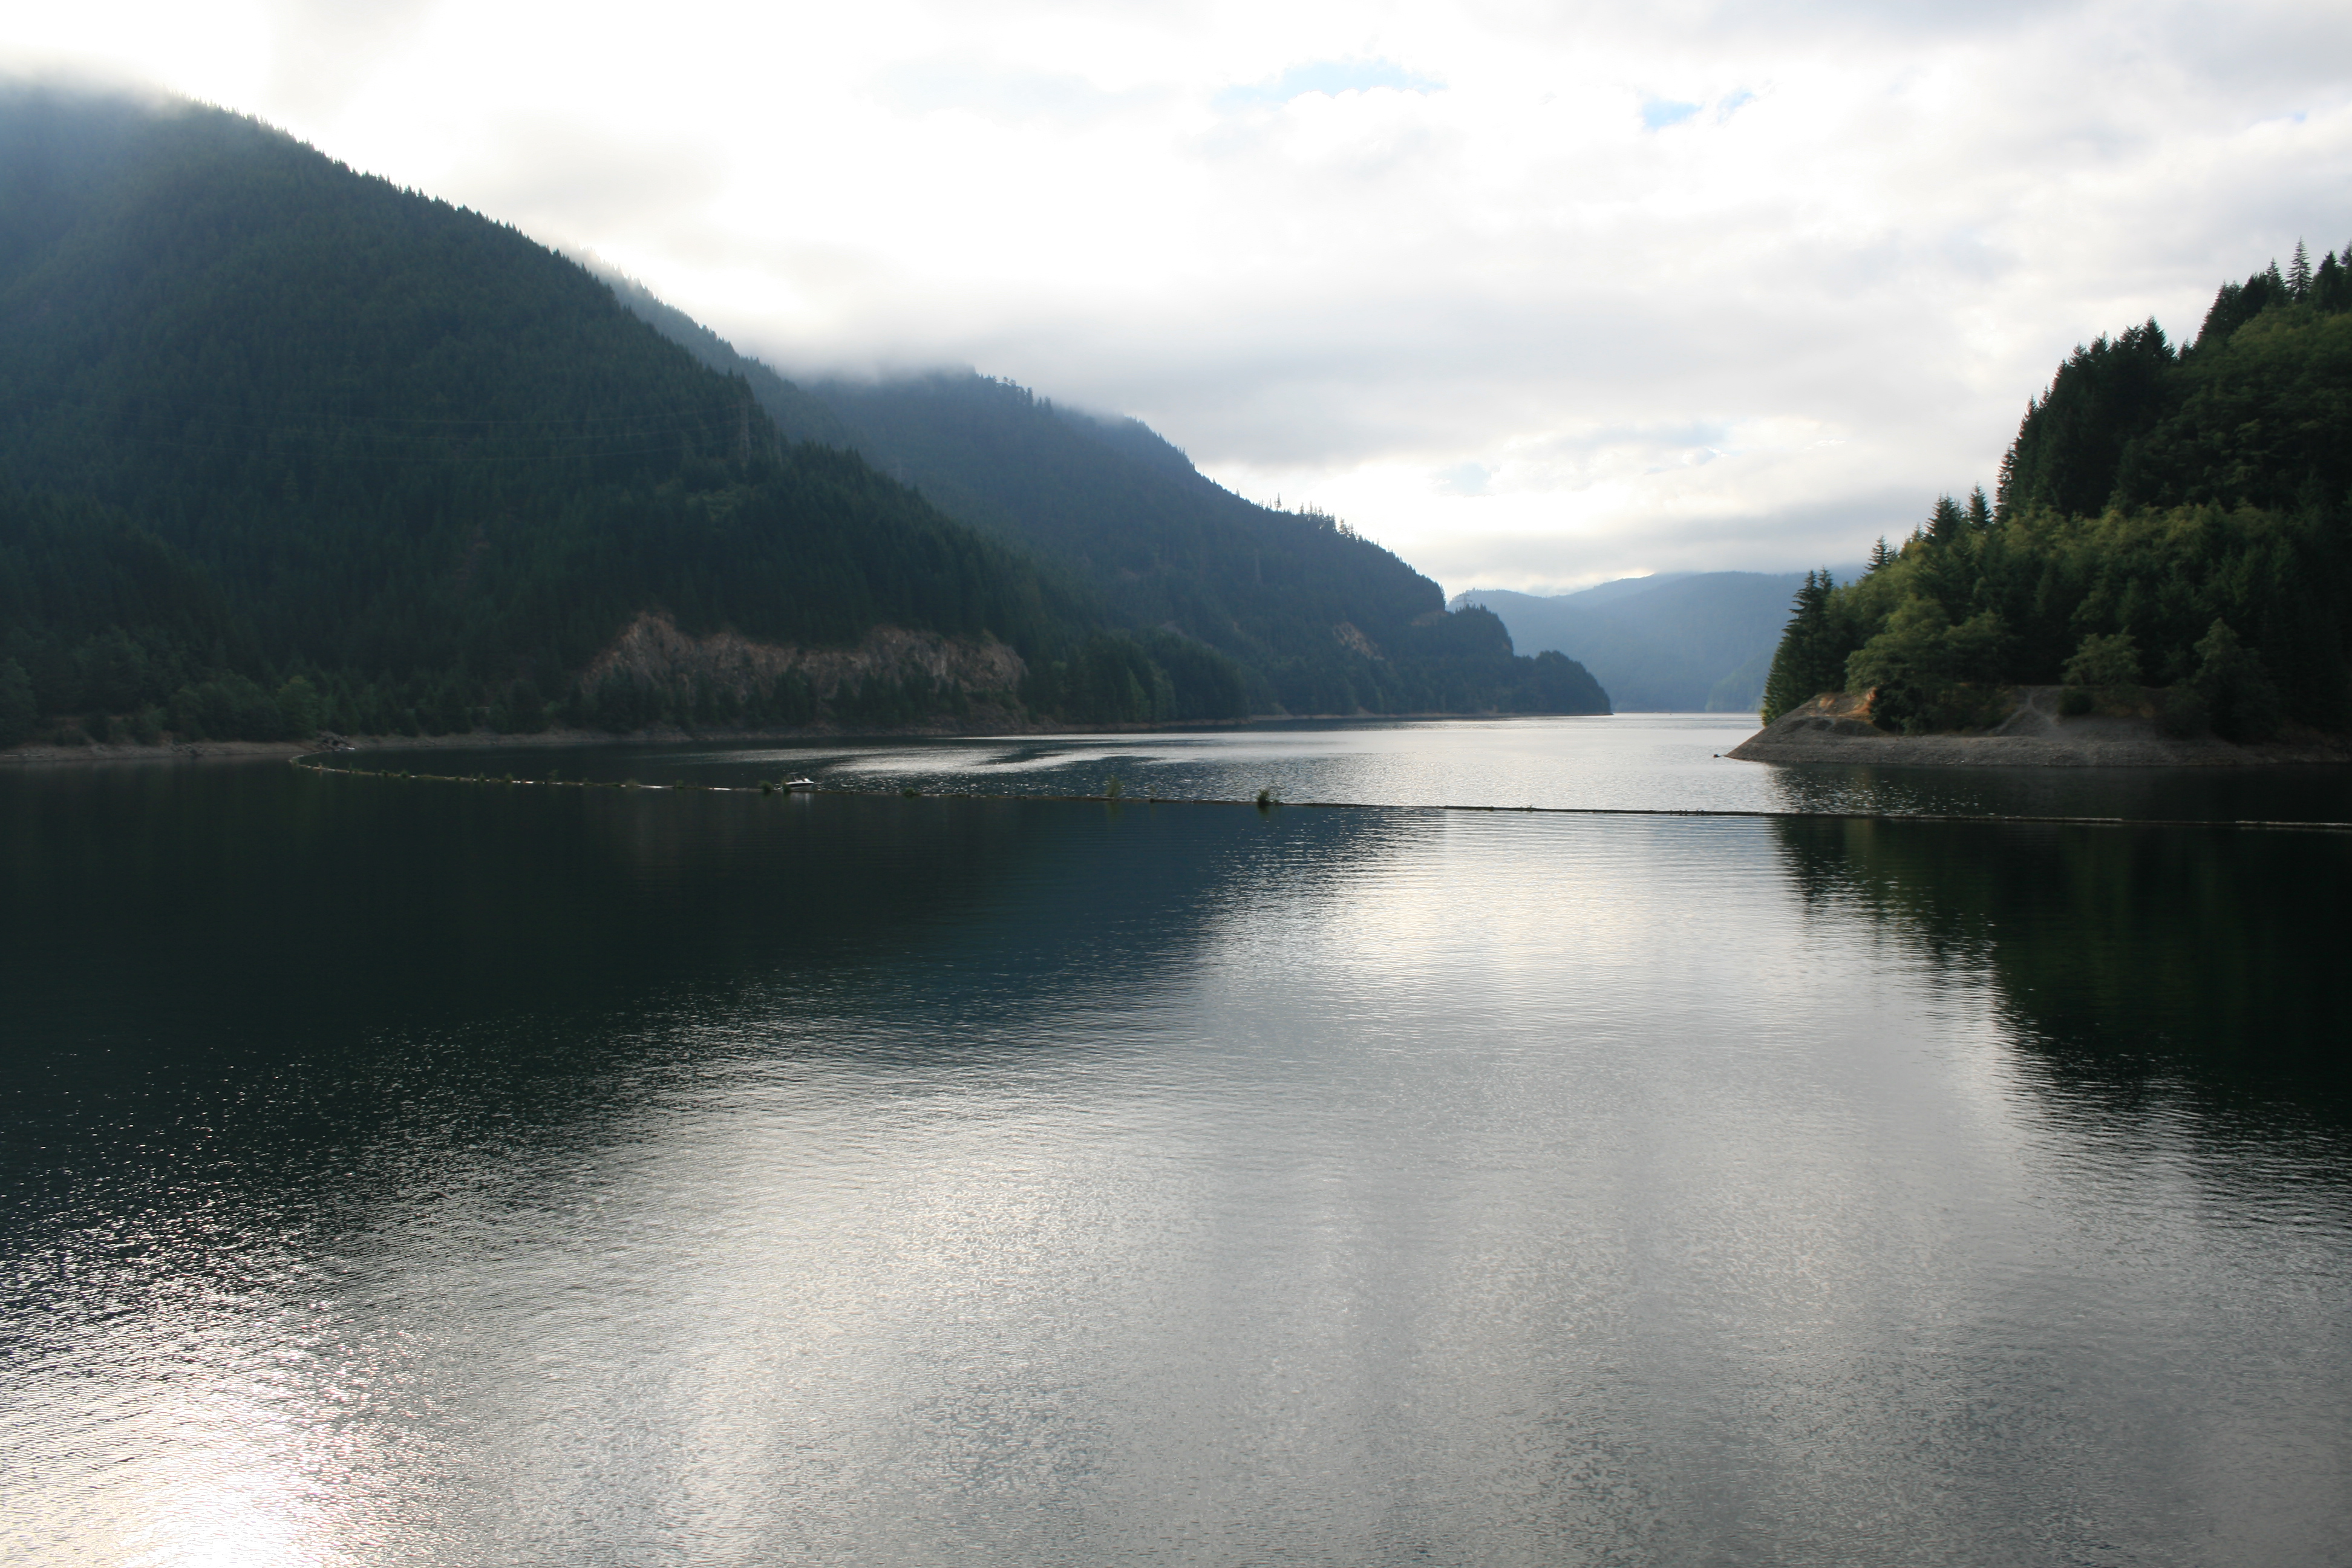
263, 420
1316, 620
283, 445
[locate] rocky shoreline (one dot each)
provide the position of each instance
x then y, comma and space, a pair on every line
1835, 728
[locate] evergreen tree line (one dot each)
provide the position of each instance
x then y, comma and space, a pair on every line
270, 422
283, 447
1111, 507
1159, 545
1455, 663
2175, 519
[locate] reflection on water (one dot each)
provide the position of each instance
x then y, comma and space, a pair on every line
398, 1172
2128, 950
1627, 762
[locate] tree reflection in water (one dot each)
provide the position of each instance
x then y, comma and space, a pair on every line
2199, 959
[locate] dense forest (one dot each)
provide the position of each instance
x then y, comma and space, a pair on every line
281, 444
2171, 518
1316, 619
285, 447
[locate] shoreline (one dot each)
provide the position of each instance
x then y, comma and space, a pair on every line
1832, 727
38, 755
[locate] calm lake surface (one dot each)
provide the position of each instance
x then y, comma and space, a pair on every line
395, 1172
1631, 762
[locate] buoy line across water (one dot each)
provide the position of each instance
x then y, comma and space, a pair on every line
311, 765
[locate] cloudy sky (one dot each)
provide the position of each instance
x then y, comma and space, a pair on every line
1534, 294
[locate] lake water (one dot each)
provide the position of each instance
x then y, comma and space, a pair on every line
1629, 761
395, 1172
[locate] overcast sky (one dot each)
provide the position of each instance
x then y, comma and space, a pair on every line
1535, 295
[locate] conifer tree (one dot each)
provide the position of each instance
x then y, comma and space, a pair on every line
2153, 503
1812, 657
1946, 522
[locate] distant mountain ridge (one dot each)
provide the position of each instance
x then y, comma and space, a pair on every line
1678, 642
283, 445
1319, 620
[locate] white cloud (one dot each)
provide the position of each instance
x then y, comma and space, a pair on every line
1532, 295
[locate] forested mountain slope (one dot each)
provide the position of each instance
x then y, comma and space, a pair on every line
281, 444
1683, 642
264, 419
1319, 620
2175, 518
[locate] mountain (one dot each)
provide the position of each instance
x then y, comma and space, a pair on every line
2167, 517
263, 420
1318, 620
283, 445
1679, 642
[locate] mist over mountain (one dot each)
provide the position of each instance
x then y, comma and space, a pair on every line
392, 450
1679, 642
285, 444
1319, 620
